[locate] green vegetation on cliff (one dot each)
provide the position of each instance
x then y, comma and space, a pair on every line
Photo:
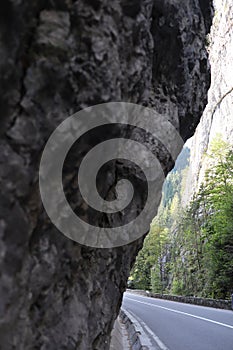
189, 251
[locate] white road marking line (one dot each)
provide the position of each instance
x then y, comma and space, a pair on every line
159, 342
182, 313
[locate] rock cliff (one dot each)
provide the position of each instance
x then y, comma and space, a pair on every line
218, 115
58, 57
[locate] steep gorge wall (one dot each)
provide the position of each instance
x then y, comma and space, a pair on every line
218, 115
58, 57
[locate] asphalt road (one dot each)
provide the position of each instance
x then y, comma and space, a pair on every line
178, 326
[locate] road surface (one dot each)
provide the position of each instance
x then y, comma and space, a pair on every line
178, 326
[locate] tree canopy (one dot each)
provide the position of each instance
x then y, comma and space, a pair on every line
189, 251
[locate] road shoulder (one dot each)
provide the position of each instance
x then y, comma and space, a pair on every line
119, 336
141, 337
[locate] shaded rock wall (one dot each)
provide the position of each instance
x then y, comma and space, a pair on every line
58, 57
217, 117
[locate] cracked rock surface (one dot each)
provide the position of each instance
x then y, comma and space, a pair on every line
217, 117
57, 57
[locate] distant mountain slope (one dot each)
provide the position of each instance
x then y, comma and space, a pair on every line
174, 181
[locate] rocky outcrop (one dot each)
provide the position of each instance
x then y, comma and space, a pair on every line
58, 57
217, 117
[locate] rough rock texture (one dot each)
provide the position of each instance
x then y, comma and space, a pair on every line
57, 57
217, 117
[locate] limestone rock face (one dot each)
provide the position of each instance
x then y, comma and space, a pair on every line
57, 57
218, 115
